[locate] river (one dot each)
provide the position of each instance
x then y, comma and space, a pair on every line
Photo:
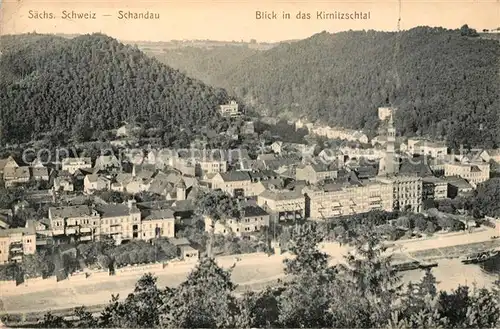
452, 272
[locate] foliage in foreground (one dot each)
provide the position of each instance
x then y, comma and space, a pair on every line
363, 292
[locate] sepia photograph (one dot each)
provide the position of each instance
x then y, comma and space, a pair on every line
250, 164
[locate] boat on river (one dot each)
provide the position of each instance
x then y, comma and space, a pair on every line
480, 257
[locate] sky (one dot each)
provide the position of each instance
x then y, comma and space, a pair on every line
236, 20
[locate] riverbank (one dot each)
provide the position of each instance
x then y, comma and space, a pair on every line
252, 272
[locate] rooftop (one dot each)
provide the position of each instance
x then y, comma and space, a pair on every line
159, 214
70, 211
279, 195
234, 176
115, 210
254, 211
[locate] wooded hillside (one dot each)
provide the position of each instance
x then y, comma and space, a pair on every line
445, 82
52, 84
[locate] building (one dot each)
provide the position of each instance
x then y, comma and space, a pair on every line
334, 200
283, 205
458, 187
16, 175
96, 182
127, 130
434, 188
389, 164
7, 163
73, 164
185, 166
15, 243
229, 110
107, 163
212, 165
490, 155
407, 191
248, 128
314, 173
158, 224
40, 173
277, 147
121, 221
63, 183
357, 153
422, 146
78, 223
385, 112
184, 249
235, 183
253, 219
474, 173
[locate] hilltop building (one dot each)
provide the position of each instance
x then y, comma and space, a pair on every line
229, 110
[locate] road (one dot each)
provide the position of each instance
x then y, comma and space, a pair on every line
248, 273
53, 295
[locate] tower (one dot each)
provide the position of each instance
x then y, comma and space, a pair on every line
389, 164
180, 190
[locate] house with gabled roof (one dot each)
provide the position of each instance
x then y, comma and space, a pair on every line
107, 163
40, 173
235, 183
253, 218
16, 175
96, 182
7, 163
490, 155
315, 172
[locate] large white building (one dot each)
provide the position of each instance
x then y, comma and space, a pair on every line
284, 204
334, 200
421, 146
119, 221
16, 242
473, 172
407, 191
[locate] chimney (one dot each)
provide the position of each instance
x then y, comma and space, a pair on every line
131, 204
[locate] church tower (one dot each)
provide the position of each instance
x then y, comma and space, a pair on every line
181, 190
389, 164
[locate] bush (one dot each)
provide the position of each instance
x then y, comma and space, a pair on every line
431, 228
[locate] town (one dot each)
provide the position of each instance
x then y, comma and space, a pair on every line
348, 179
80, 199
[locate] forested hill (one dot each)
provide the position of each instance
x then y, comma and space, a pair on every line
50, 83
445, 82
206, 64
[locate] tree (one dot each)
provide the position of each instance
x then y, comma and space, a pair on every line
53, 321
104, 261
81, 131
204, 300
370, 274
141, 308
304, 245
38, 264
419, 222
218, 206
465, 30
487, 198
483, 311
84, 318
306, 300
